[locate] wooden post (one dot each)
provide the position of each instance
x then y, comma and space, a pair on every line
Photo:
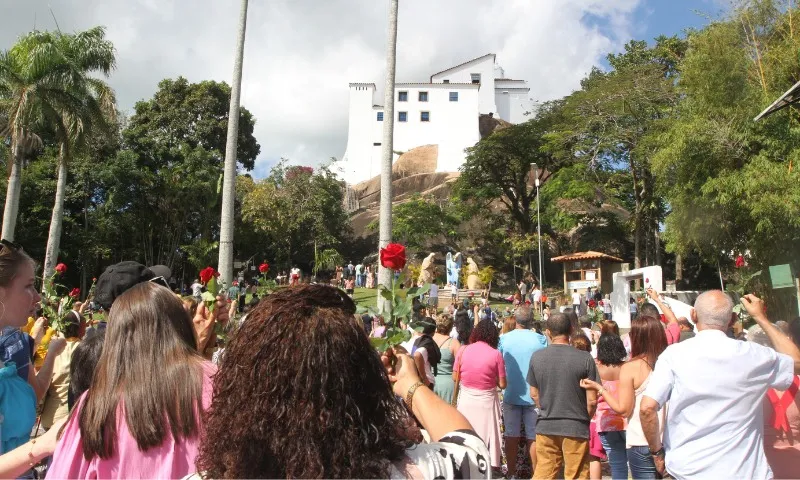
797, 285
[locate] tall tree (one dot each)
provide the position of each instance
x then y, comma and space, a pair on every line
732, 183
83, 54
297, 210
227, 221
33, 96
387, 154
171, 165
613, 118
498, 168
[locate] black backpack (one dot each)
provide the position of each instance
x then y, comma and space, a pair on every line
434, 354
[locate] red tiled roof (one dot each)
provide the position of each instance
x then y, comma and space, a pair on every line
590, 255
461, 64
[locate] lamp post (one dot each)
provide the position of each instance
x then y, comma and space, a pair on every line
535, 169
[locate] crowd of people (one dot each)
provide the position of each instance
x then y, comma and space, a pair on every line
299, 390
662, 398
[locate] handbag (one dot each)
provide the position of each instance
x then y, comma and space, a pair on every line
457, 383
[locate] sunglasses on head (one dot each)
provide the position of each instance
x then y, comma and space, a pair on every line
160, 281
14, 247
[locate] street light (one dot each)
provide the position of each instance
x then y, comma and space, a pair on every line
535, 169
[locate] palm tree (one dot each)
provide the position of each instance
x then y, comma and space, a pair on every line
229, 182
92, 106
44, 87
385, 230
28, 91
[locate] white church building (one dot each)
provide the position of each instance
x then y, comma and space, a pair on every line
443, 112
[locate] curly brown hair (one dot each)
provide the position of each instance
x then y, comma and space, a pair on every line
301, 393
485, 331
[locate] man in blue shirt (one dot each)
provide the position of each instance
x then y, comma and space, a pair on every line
517, 347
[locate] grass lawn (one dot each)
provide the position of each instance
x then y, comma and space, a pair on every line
368, 297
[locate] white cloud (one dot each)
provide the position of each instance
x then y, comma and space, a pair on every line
301, 54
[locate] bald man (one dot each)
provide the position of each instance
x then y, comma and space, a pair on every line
715, 387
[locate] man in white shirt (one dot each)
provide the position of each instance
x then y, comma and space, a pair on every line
576, 302
433, 296
197, 289
715, 387
536, 296
523, 289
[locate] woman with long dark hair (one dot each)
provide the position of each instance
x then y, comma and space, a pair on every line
464, 326
141, 415
610, 424
448, 347
480, 371
301, 393
648, 341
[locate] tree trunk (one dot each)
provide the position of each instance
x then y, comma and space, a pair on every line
54, 237
678, 270
12, 195
385, 230
657, 245
229, 183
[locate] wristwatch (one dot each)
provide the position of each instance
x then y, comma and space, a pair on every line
658, 453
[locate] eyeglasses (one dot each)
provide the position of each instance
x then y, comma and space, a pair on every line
14, 247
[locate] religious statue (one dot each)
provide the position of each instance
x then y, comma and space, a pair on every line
473, 279
426, 274
454, 269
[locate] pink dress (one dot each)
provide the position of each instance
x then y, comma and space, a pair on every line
480, 366
170, 460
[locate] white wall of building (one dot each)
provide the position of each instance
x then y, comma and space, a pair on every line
483, 66
453, 126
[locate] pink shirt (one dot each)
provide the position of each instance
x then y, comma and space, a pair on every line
673, 332
170, 460
481, 366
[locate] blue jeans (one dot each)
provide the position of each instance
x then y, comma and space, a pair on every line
641, 462
614, 445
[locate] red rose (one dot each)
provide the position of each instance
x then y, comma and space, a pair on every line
740, 261
75, 292
264, 267
592, 304
94, 279
207, 274
393, 256
61, 268
646, 280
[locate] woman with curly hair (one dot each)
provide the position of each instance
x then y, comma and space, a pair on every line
301, 393
480, 369
463, 327
611, 356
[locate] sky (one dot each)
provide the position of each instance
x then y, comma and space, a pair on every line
300, 55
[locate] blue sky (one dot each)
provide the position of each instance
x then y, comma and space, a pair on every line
673, 16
